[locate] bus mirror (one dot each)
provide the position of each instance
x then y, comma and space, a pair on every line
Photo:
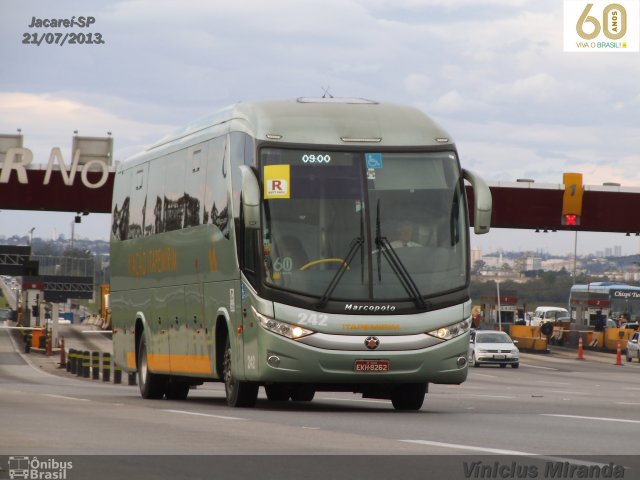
481, 202
250, 198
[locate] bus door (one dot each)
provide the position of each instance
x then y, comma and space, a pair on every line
193, 337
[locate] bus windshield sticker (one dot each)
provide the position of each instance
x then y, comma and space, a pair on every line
276, 181
371, 174
374, 160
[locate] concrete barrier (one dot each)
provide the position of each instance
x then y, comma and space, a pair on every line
86, 364
117, 374
106, 367
529, 338
95, 365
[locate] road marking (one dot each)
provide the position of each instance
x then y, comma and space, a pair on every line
564, 392
539, 366
490, 396
627, 403
603, 419
497, 451
65, 398
500, 451
221, 417
553, 383
483, 375
354, 400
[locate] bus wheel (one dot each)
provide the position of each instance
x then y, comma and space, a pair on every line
239, 394
302, 393
409, 396
277, 392
152, 385
177, 390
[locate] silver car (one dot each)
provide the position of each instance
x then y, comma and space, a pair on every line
492, 347
633, 347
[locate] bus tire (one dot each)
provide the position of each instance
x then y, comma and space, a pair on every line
277, 392
152, 385
409, 396
177, 390
239, 393
302, 393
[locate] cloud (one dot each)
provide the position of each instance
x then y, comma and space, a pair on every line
47, 121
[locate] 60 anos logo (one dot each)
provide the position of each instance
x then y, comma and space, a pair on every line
601, 26
613, 26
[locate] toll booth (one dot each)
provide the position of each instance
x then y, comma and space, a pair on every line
32, 304
502, 310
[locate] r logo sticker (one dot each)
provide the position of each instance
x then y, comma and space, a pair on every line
276, 181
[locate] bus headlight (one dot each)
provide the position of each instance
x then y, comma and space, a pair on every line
285, 329
452, 331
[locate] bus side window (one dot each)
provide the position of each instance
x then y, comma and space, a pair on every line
194, 185
174, 197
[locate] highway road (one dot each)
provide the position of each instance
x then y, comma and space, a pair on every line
553, 406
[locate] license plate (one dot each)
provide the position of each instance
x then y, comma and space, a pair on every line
371, 366
499, 357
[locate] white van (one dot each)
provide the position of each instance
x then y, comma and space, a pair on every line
549, 314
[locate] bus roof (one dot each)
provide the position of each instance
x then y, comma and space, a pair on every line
321, 121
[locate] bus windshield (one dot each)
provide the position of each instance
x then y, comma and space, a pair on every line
363, 226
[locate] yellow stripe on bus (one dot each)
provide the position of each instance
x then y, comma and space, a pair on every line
131, 360
160, 362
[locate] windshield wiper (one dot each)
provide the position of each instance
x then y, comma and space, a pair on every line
385, 249
356, 244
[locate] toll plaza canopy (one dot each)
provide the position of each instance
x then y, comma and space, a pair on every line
84, 184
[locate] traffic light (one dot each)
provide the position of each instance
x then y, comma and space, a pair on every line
572, 199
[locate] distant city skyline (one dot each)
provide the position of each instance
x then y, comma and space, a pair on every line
556, 243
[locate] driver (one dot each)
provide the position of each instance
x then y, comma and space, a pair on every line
404, 235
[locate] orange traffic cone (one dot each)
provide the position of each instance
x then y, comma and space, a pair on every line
618, 355
580, 350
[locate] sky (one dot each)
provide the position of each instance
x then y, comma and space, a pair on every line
492, 72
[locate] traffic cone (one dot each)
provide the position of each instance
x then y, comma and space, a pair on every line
618, 355
580, 350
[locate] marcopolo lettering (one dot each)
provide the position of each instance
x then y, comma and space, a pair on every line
350, 307
18, 159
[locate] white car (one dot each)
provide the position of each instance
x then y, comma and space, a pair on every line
633, 347
548, 314
493, 347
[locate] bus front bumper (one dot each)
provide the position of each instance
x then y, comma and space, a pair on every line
280, 359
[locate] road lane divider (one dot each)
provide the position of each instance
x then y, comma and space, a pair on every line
501, 451
198, 414
600, 419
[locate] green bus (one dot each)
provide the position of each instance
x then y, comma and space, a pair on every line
299, 245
